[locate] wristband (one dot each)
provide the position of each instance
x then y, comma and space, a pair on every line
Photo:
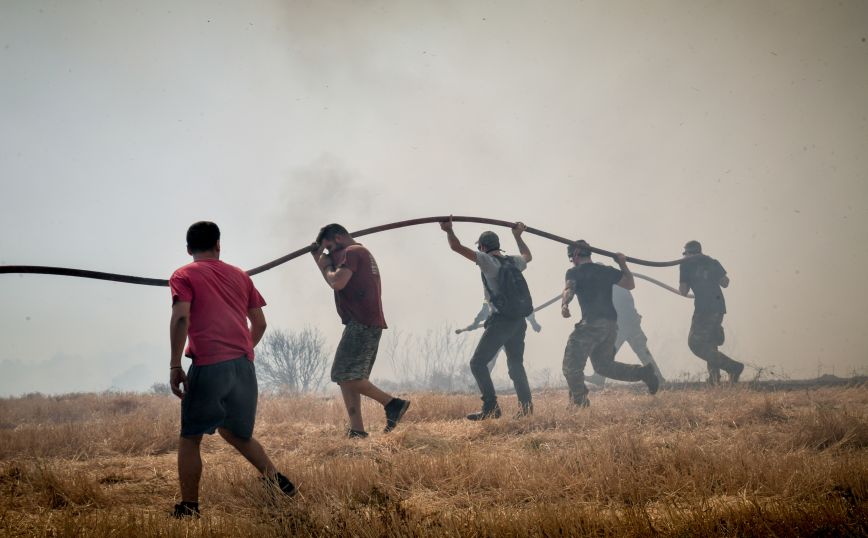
173, 367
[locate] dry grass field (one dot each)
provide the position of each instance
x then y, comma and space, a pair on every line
709, 462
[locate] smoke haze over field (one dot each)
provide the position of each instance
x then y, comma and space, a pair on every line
636, 126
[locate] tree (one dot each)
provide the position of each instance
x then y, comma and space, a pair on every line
292, 362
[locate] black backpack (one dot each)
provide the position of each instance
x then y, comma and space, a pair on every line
513, 300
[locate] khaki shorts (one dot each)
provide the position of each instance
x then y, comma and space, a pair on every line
356, 352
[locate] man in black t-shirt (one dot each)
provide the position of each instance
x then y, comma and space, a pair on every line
595, 334
705, 276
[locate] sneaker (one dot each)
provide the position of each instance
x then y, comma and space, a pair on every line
395, 409
282, 483
525, 410
186, 509
485, 414
651, 379
735, 374
356, 434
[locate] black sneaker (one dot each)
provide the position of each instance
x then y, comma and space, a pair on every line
395, 409
525, 410
735, 374
357, 434
651, 379
485, 414
186, 509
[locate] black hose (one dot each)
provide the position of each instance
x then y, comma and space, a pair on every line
83, 273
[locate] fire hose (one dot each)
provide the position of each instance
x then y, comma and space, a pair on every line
98, 275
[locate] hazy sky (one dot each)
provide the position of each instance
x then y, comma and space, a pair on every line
635, 125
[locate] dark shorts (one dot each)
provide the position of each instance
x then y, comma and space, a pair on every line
356, 352
221, 395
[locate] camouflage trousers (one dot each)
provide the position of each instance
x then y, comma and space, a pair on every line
356, 352
634, 335
594, 339
706, 335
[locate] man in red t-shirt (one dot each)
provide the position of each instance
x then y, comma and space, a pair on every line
350, 270
211, 303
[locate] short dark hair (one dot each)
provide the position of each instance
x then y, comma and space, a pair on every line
693, 247
329, 231
202, 236
582, 246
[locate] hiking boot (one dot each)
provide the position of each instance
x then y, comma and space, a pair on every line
357, 434
186, 509
282, 483
735, 374
714, 377
651, 379
525, 410
395, 409
494, 412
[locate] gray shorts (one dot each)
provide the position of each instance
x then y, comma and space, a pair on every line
356, 352
221, 395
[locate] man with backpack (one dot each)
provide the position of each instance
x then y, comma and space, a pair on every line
706, 276
595, 334
510, 300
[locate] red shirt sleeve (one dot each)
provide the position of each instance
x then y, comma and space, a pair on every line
254, 299
181, 289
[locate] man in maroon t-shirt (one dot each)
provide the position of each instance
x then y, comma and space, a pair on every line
211, 303
352, 272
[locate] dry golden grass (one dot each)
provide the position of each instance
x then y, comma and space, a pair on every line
711, 462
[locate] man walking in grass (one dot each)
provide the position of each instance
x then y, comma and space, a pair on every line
705, 276
211, 304
351, 271
595, 334
502, 329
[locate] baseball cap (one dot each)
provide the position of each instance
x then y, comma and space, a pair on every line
489, 240
692, 247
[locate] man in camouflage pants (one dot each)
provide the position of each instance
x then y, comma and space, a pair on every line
706, 276
595, 334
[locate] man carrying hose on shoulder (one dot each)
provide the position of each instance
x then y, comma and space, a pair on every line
705, 276
595, 334
502, 329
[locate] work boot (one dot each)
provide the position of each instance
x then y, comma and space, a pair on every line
492, 412
736, 373
357, 434
525, 410
186, 509
650, 378
714, 377
395, 409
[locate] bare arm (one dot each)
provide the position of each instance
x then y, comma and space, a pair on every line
337, 279
566, 297
454, 243
522, 246
257, 324
626, 281
684, 288
178, 328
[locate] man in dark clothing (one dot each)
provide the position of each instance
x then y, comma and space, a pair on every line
500, 330
705, 276
595, 334
350, 270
